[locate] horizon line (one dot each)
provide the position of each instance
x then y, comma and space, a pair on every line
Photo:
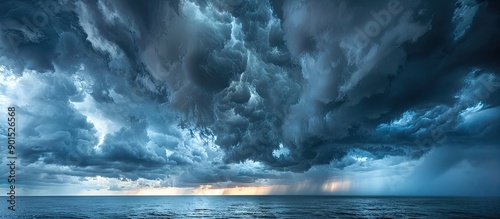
324, 195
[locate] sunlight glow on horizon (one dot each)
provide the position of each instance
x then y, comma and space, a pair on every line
210, 190
328, 187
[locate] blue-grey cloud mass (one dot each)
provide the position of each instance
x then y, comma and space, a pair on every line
394, 97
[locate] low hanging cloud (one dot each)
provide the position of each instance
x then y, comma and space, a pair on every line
188, 91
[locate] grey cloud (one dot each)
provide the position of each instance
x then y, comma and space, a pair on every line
200, 84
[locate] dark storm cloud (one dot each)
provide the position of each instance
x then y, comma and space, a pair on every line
75, 64
354, 92
55, 133
321, 80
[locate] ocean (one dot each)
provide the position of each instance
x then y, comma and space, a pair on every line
253, 207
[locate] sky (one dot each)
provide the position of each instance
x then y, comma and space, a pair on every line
192, 97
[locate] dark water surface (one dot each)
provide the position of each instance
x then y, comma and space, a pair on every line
252, 207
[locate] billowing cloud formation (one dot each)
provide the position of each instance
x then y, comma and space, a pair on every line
196, 92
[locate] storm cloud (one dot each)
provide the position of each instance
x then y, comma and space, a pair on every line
244, 92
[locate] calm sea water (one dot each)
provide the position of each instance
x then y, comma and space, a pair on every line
253, 207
